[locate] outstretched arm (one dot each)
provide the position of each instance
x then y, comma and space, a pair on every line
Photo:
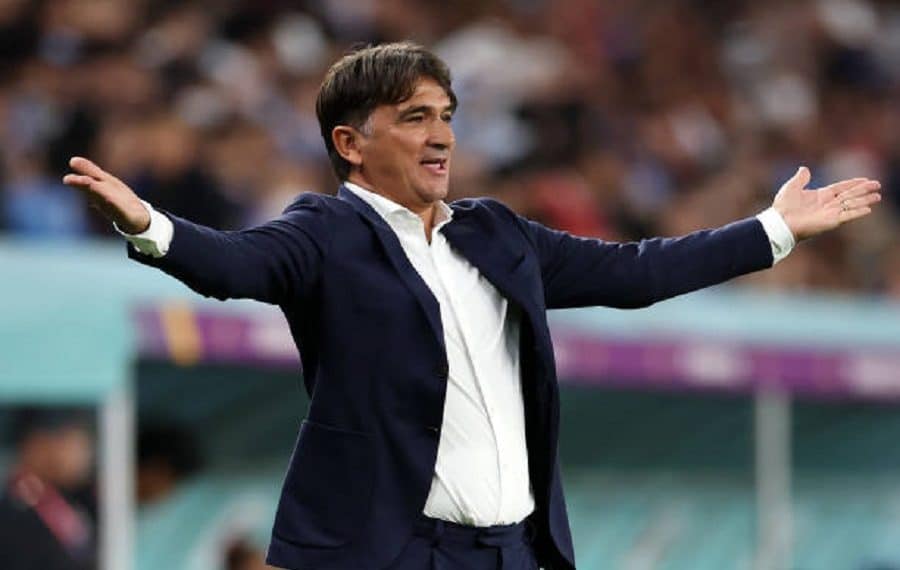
274, 262
578, 272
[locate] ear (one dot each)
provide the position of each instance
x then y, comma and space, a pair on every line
346, 141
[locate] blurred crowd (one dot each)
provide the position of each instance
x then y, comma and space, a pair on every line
47, 497
621, 119
48, 487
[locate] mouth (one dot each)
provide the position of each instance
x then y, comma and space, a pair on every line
437, 166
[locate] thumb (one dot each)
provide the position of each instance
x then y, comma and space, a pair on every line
801, 178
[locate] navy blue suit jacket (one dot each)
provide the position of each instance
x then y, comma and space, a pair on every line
369, 335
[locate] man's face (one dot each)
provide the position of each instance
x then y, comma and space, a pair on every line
74, 455
62, 456
406, 147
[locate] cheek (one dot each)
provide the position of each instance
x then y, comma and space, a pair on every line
405, 165
396, 154
76, 456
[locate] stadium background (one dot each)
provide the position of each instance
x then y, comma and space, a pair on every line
753, 425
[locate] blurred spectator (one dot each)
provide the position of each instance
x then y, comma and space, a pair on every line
240, 554
166, 455
38, 205
42, 526
613, 119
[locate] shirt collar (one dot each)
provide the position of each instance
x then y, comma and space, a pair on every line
391, 211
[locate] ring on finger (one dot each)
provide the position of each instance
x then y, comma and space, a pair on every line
844, 205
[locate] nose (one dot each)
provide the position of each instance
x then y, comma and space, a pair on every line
441, 136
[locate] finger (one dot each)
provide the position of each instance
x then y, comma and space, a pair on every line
867, 187
78, 180
850, 215
85, 166
860, 202
843, 185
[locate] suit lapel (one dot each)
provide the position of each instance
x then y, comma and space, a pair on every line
398, 258
491, 252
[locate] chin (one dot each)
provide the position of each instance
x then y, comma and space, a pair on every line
433, 194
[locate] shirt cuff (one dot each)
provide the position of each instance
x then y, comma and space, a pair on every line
780, 236
155, 240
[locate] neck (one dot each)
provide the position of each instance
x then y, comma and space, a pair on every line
425, 211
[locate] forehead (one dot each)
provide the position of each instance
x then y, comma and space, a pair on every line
426, 92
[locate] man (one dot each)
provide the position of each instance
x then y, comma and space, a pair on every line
431, 439
39, 526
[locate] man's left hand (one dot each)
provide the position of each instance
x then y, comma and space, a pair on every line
811, 212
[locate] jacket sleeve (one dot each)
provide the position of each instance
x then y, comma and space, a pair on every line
579, 272
273, 262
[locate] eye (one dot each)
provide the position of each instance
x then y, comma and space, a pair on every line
416, 118
447, 117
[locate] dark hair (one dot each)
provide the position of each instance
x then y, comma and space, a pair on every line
170, 444
371, 76
29, 420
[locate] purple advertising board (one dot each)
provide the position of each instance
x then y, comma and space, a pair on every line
188, 335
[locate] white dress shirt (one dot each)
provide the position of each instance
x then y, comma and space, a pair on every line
481, 474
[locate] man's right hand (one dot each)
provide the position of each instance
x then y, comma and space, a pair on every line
112, 197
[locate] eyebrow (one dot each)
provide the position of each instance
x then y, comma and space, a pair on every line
425, 109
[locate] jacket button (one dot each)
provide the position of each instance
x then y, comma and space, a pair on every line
443, 371
433, 429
